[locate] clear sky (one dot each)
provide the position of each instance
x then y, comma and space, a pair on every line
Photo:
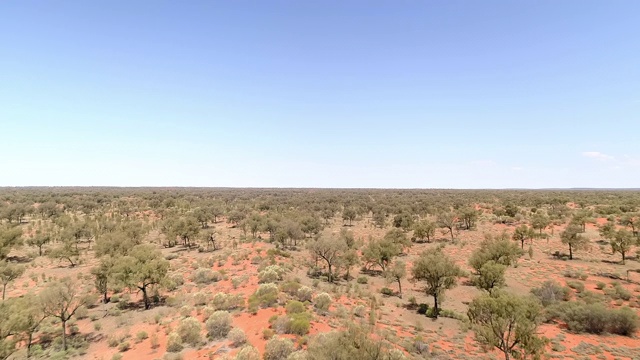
418, 94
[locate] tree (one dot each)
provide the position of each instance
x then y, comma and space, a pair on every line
381, 252
10, 237
522, 234
330, 250
497, 249
398, 237
8, 273
491, 276
68, 251
39, 240
114, 244
9, 328
424, 229
447, 220
61, 299
349, 214
508, 323
379, 218
396, 273
28, 316
438, 272
142, 268
102, 275
469, 215
621, 242
540, 222
571, 236
582, 217
404, 221
348, 261
630, 220
209, 236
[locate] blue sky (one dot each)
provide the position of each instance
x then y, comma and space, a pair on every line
417, 94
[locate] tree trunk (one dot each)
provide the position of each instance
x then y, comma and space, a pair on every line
330, 277
29, 341
64, 335
623, 256
145, 298
570, 253
4, 290
400, 288
451, 232
435, 306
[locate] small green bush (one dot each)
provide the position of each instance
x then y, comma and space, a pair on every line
219, 324
174, 343
295, 307
189, 331
322, 302
363, 280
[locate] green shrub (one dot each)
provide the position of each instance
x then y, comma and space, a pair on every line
423, 309
299, 324
305, 293
124, 346
141, 336
189, 331
265, 296
237, 337
223, 301
363, 280
278, 349
322, 302
576, 285
600, 285
387, 291
295, 307
219, 324
248, 353
206, 276
550, 292
174, 343
595, 318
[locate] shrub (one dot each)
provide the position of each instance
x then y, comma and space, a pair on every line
386, 291
248, 353
174, 343
270, 274
206, 276
267, 334
295, 307
363, 280
595, 318
305, 293
200, 298
189, 331
423, 309
124, 346
359, 311
600, 285
622, 293
278, 349
623, 322
141, 336
223, 301
299, 324
576, 285
237, 337
265, 296
322, 302
219, 324
290, 288
550, 292
298, 355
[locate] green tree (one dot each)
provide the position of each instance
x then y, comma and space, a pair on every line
379, 218
330, 250
398, 237
582, 217
571, 236
621, 242
539, 222
438, 272
67, 250
10, 237
491, 276
381, 252
447, 220
522, 234
39, 240
349, 214
28, 316
497, 249
508, 323
142, 268
102, 275
469, 215
424, 229
61, 299
396, 273
8, 273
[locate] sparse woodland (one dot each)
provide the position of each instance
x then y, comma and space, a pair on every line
275, 274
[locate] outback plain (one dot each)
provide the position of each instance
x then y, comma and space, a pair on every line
275, 274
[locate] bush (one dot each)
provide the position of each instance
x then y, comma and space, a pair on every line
576, 285
265, 296
141, 336
278, 349
248, 353
299, 324
305, 293
237, 337
363, 280
550, 292
600, 285
386, 291
295, 307
206, 276
322, 302
622, 293
423, 309
270, 274
124, 346
359, 311
219, 324
174, 343
595, 318
189, 331
223, 301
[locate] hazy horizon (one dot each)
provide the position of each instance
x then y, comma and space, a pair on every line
371, 95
